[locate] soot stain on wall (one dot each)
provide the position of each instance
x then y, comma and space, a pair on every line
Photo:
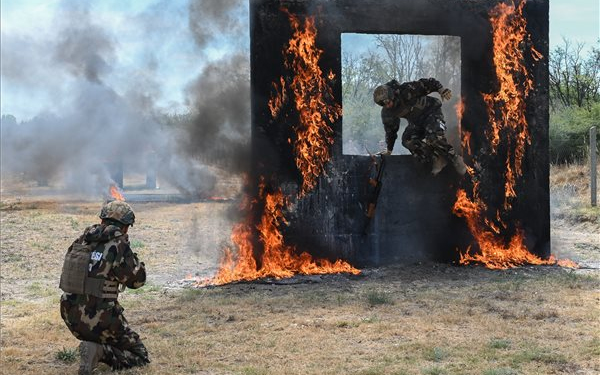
414, 219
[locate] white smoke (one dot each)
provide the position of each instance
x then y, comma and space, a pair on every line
99, 113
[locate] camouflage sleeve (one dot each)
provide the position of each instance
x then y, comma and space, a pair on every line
127, 268
421, 87
391, 124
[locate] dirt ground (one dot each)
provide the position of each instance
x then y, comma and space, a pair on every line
425, 318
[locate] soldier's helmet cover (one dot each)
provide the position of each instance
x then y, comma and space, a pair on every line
119, 211
382, 93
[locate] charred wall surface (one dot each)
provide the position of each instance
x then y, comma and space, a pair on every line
414, 218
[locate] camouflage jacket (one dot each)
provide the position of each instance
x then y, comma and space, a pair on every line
410, 102
112, 258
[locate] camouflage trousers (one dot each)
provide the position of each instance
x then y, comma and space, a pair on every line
426, 138
102, 321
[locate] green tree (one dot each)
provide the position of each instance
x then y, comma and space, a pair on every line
574, 78
569, 132
574, 100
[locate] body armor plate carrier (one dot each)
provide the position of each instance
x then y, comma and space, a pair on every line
74, 277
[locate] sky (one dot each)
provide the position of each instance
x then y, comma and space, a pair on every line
150, 43
149, 47
576, 20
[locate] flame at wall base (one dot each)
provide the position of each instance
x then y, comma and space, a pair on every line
275, 258
261, 249
499, 242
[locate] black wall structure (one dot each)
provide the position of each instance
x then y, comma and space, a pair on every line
414, 219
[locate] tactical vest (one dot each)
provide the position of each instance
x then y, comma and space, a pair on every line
74, 277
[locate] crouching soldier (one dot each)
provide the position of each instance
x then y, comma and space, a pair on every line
424, 136
98, 265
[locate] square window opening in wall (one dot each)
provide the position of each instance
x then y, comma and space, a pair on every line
370, 60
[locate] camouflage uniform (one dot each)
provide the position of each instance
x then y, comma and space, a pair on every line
101, 320
424, 136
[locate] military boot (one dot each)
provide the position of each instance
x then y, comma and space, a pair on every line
459, 165
439, 163
90, 353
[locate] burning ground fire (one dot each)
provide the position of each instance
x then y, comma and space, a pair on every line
261, 249
115, 192
509, 128
277, 260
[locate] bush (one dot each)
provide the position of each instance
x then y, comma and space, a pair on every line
569, 132
67, 355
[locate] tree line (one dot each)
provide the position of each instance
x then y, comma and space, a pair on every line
574, 100
574, 88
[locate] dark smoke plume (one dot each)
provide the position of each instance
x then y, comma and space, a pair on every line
210, 19
221, 101
220, 96
83, 47
103, 123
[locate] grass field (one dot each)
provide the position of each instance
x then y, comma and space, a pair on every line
424, 318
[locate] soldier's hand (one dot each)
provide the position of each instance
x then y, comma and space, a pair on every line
385, 152
446, 94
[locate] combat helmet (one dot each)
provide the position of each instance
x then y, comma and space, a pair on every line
119, 211
382, 93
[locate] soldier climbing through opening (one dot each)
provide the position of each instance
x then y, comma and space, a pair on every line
424, 136
99, 265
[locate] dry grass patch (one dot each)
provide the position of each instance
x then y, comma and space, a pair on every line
570, 194
304, 329
408, 319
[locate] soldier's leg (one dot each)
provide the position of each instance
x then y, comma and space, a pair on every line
122, 347
412, 139
435, 135
76, 313
441, 149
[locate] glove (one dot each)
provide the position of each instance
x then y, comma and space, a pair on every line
385, 152
446, 94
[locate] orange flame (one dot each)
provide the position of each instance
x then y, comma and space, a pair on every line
466, 136
116, 193
460, 111
506, 107
269, 255
466, 143
506, 113
311, 93
494, 253
566, 263
278, 99
277, 260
